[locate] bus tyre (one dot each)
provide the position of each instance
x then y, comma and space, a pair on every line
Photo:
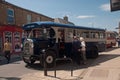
94, 52
50, 58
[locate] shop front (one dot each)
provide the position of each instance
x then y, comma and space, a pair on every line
14, 34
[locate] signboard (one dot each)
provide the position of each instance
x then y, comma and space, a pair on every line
115, 5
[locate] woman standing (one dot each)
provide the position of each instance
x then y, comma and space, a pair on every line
83, 50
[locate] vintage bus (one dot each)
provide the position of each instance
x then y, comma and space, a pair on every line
44, 40
110, 39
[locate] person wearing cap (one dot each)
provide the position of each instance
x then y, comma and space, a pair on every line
83, 50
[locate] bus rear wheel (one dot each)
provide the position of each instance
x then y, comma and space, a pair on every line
94, 52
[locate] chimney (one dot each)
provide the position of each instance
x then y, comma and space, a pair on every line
65, 18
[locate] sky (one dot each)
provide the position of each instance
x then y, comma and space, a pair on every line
89, 13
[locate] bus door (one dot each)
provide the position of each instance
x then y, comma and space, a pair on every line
61, 42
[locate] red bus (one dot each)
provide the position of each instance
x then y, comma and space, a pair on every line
110, 39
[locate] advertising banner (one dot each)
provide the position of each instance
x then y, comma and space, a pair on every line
115, 5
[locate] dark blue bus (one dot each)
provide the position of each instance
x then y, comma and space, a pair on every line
49, 37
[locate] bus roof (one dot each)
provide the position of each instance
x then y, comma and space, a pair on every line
40, 24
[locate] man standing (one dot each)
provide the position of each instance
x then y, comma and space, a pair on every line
7, 50
75, 50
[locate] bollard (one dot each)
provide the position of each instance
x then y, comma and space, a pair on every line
63, 59
55, 67
45, 67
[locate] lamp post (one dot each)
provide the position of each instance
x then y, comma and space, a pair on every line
118, 30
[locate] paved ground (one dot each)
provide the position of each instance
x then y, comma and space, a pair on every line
105, 67
109, 69
14, 58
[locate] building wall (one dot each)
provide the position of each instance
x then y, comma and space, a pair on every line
19, 18
20, 14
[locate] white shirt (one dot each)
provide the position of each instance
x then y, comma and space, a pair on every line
83, 45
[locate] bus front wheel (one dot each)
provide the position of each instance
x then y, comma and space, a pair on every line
29, 61
48, 58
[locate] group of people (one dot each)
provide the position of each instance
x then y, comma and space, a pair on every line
79, 50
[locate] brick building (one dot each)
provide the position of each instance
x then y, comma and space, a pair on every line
12, 18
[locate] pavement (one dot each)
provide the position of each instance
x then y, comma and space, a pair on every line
14, 58
105, 67
61, 74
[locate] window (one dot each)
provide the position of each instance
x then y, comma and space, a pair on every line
8, 35
92, 34
10, 16
29, 18
16, 36
17, 41
96, 35
102, 35
85, 34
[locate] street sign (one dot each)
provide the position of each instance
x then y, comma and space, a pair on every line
115, 5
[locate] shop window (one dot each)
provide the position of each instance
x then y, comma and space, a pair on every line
17, 41
8, 35
17, 36
10, 16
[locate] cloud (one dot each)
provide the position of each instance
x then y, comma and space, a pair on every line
85, 16
105, 7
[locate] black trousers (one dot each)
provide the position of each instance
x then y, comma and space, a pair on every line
77, 57
7, 55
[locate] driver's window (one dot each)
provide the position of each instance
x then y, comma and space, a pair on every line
38, 33
31, 34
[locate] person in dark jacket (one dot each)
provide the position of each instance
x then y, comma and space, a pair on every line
76, 50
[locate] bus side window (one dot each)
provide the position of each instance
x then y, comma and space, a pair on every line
96, 35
